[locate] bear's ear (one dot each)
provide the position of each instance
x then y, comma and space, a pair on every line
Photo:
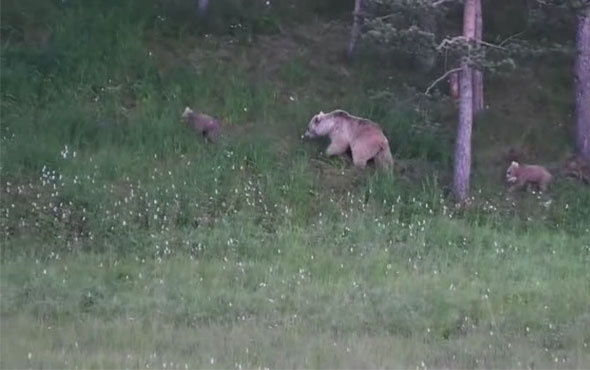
514, 164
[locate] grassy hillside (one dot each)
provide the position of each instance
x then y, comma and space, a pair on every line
128, 242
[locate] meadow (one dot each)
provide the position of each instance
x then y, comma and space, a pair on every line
127, 242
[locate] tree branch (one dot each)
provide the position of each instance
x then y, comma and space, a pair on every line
382, 18
511, 37
447, 73
450, 41
440, 2
490, 45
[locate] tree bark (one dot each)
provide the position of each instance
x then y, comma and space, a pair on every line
454, 86
582, 83
202, 7
462, 170
478, 99
356, 28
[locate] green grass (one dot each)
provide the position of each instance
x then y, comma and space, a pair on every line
128, 242
437, 291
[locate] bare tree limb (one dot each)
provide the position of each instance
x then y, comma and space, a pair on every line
382, 18
450, 41
441, 2
447, 73
511, 37
490, 45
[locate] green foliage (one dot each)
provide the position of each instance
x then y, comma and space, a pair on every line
245, 19
408, 27
242, 18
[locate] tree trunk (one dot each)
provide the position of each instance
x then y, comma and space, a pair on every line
202, 7
462, 170
478, 102
356, 28
454, 86
582, 84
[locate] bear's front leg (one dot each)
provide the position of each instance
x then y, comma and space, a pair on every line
336, 148
517, 186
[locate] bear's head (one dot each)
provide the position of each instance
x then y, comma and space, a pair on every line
320, 125
511, 172
188, 112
